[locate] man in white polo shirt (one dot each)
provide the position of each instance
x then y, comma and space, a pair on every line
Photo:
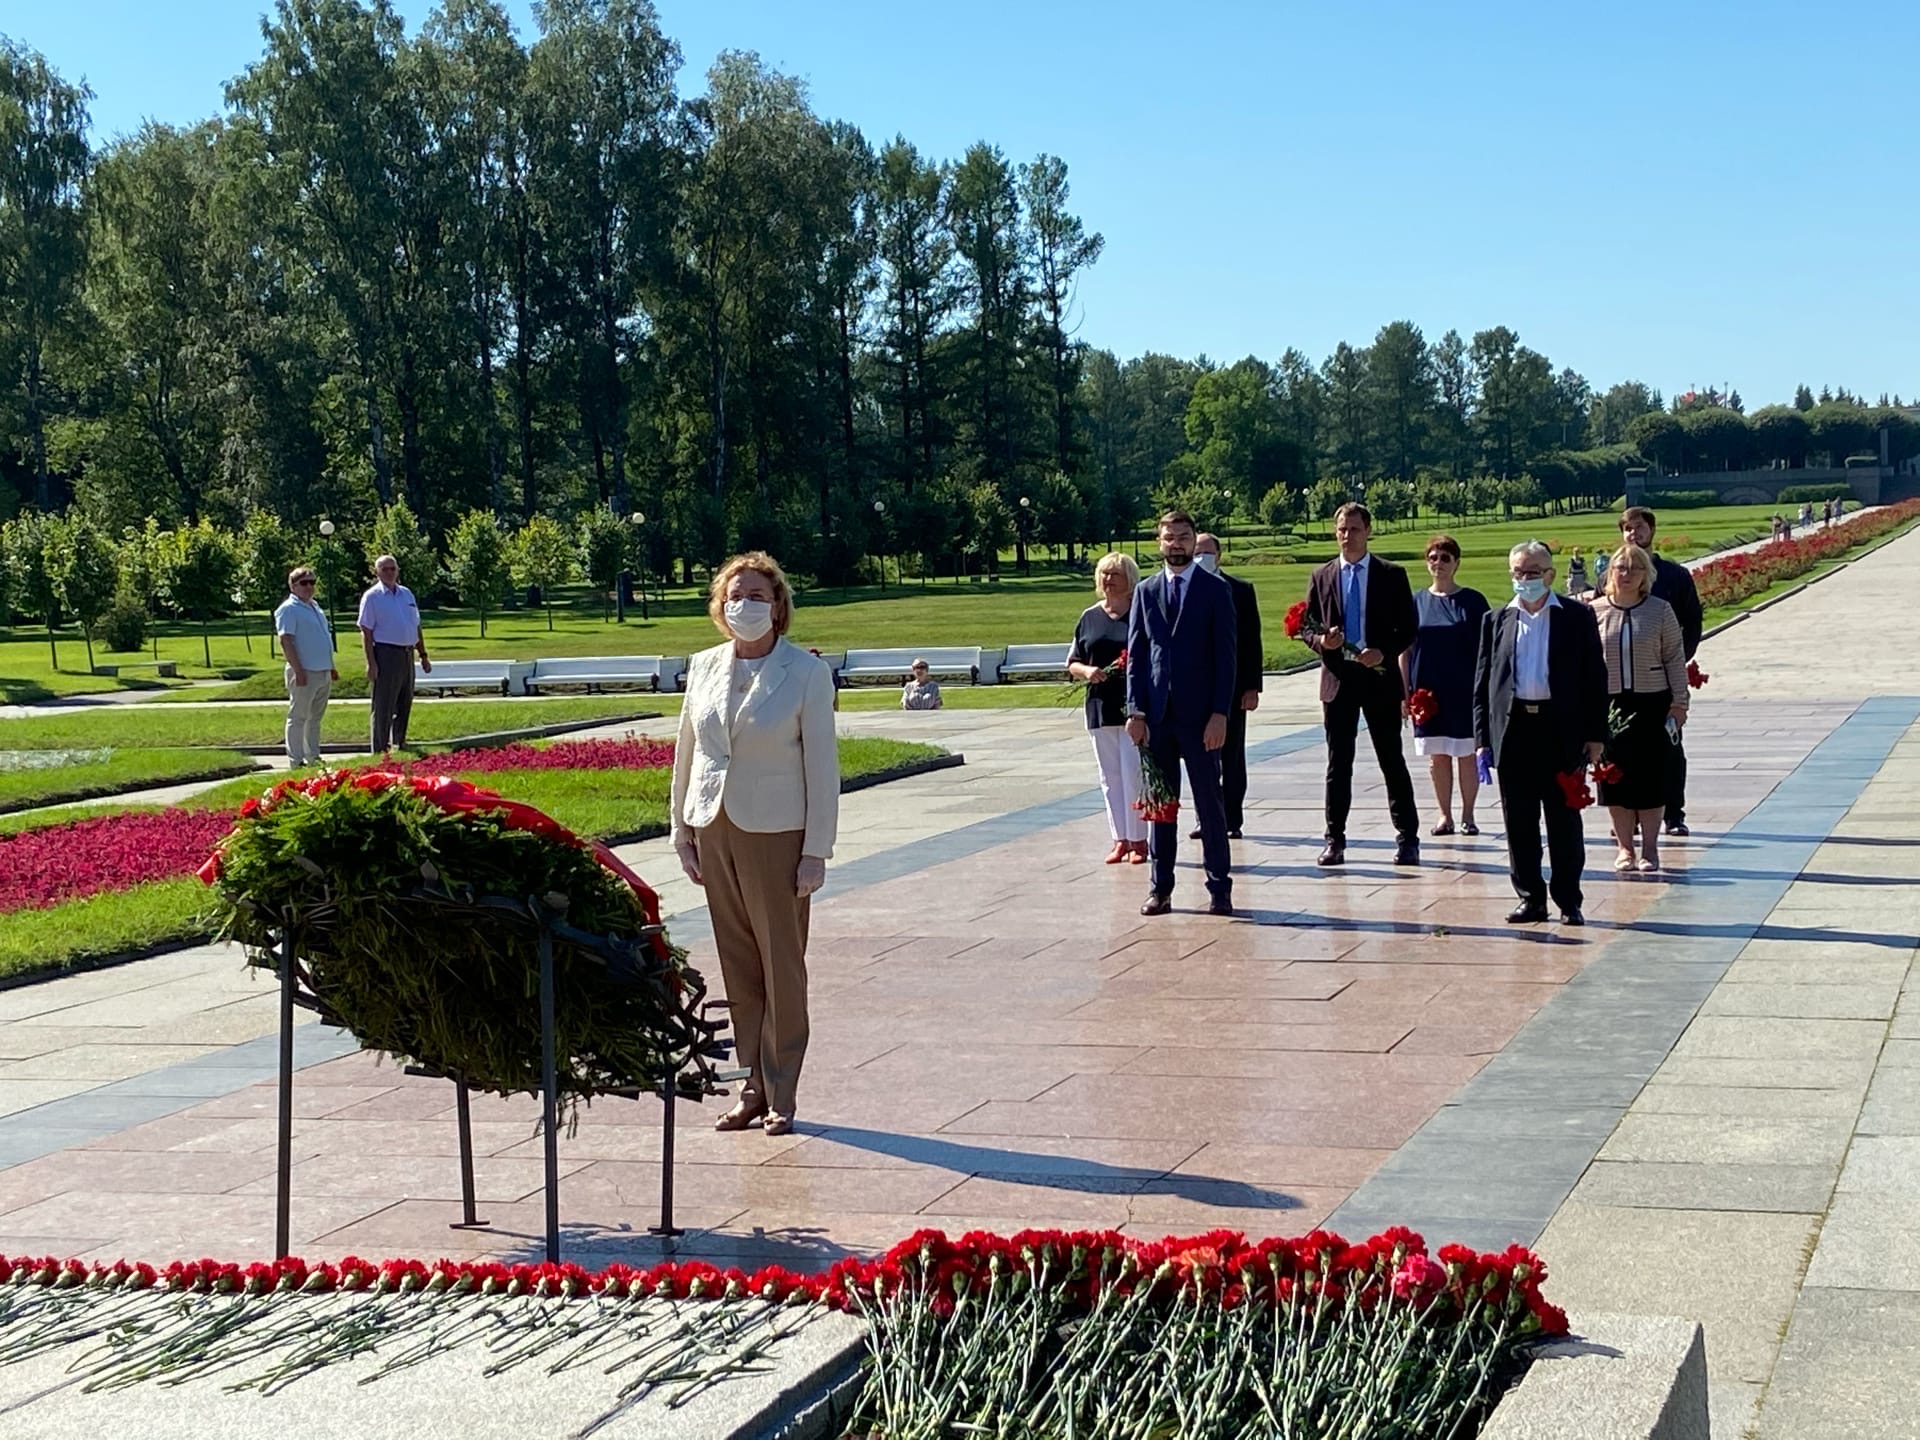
390, 634
306, 639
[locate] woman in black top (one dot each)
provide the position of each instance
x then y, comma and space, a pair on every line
1099, 640
1441, 662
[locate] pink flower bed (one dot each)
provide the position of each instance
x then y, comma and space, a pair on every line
635, 752
45, 867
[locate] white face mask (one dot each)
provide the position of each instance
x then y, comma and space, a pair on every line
1208, 562
749, 620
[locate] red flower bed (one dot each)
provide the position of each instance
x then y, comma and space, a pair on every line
55, 863
1733, 578
635, 752
1222, 1264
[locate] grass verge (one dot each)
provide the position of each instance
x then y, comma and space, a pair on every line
95, 774
596, 803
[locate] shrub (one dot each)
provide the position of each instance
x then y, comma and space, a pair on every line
1802, 494
124, 627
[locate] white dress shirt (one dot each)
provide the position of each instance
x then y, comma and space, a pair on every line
1530, 650
391, 616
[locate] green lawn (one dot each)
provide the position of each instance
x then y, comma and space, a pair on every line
594, 803
434, 722
54, 777
1038, 608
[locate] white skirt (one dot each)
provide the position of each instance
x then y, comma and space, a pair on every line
1442, 745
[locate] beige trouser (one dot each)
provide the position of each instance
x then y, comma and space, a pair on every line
760, 930
306, 707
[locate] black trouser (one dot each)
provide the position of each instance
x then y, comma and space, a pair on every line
1233, 767
1375, 699
1169, 744
1532, 758
1677, 782
392, 696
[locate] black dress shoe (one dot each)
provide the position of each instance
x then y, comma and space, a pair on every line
1572, 917
1407, 852
1158, 904
1334, 854
1194, 834
1234, 833
1527, 914
1678, 827
1219, 905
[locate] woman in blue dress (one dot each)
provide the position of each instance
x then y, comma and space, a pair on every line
1441, 662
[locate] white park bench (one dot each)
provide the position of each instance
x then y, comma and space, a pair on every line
950, 660
597, 672
170, 669
451, 675
1035, 662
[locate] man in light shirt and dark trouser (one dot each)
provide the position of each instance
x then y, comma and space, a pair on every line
1540, 715
306, 640
390, 634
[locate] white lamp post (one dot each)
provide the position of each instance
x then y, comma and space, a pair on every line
638, 519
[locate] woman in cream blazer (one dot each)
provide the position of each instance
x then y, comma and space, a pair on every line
756, 804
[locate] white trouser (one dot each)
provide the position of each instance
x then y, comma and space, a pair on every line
1119, 760
306, 705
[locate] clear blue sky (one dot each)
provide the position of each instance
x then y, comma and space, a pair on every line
1685, 193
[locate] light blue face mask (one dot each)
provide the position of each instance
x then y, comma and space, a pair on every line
1530, 589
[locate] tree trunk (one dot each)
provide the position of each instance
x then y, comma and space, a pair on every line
377, 438
523, 373
717, 404
37, 430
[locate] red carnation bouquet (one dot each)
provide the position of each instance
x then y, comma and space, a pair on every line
1422, 707
1696, 677
1157, 803
1296, 620
1573, 786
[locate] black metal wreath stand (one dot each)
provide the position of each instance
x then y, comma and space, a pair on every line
669, 1084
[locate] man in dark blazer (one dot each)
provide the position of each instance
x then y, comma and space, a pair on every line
1673, 583
1360, 617
1180, 677
1249, 681
1540, 713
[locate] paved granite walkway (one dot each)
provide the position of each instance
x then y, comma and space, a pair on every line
1693, 1105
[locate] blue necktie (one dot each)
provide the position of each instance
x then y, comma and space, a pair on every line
1356, 616
1173, 600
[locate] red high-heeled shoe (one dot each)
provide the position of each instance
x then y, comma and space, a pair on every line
1139, 848
1118, 853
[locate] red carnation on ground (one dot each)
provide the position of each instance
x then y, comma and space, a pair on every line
1422, 706
1296, 620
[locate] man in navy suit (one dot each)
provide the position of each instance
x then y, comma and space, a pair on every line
1180, 679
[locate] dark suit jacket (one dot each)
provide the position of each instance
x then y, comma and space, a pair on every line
1251, 666
1392, 622
1673, 583
1186, 666
1576, 679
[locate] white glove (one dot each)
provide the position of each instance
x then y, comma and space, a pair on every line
689, 854
811, 875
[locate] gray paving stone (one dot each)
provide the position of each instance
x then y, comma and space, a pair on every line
1748, 1100
1893, 1104
1755, 1038
1616, 1377
1888, 1164
1805, 1002
1647, 1184
1729, 1139
1850, 1367
1870, 1241
1852, 1075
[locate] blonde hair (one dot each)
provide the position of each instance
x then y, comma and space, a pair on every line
1109, 563
760, 563
1639, 557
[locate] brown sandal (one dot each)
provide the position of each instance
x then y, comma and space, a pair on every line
740, 1116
